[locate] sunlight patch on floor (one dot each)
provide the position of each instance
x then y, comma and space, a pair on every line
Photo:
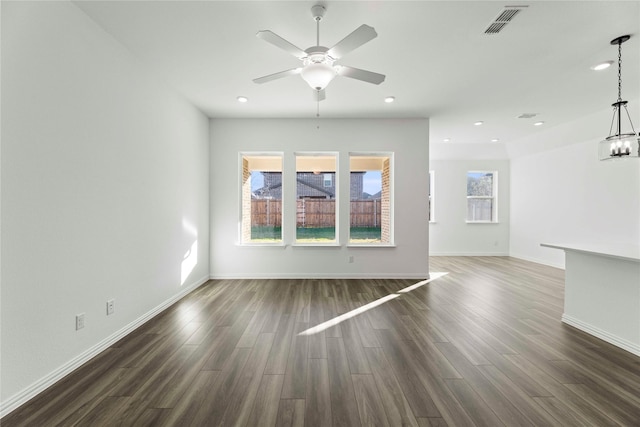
339, 319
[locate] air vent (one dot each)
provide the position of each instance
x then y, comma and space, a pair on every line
495, 28
507, 15
527, 115
503, 18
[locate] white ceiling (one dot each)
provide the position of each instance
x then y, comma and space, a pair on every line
437, 59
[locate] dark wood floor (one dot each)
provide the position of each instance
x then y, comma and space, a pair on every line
482, 346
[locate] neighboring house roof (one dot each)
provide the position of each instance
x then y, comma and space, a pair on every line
309, 185
267, 191
327, 191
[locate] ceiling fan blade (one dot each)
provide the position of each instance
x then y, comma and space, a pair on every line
278, 41
276, 76
360, 36
358, 74
319, 95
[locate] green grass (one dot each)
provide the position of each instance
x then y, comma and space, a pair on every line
370, 234
266, 234
316, 234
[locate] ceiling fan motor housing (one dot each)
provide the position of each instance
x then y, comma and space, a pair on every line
317, 12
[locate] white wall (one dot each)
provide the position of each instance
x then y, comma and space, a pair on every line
408, 139
468, 151
567, 196
104, 191
450, 234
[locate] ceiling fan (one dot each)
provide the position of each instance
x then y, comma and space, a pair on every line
318, 68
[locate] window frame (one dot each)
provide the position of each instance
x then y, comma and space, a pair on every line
336, 195
390, 218
327, 178
493, 197
242, 155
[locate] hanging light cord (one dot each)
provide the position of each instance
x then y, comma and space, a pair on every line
616, 105
318, 18
620, 72
620, 102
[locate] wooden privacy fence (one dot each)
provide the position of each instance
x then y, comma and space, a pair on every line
266, 212
365, 213
315, 213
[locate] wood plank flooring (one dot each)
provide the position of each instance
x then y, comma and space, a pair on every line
481, 346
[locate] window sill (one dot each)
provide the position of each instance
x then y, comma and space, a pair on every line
315, 245
482, 222
371, 245
262, 245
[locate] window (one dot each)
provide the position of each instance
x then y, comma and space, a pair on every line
482, 196
316, 198
371, 199
432, 216
261, 198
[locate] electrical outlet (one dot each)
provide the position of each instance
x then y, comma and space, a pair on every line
111, 306
79, 321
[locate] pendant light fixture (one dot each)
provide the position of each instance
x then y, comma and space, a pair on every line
619, 145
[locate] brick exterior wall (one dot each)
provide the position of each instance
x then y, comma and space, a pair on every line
246, 201
385, 200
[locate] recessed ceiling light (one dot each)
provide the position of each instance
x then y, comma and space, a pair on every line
389, 99
242, 99
538, 123
495, 140
602, 66
478, 123
446, 140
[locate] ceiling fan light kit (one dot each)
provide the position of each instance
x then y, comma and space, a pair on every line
318, 68
619, 145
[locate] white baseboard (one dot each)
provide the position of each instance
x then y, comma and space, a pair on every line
624, 344
537, 261
48, 380
417, 276
468, 254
